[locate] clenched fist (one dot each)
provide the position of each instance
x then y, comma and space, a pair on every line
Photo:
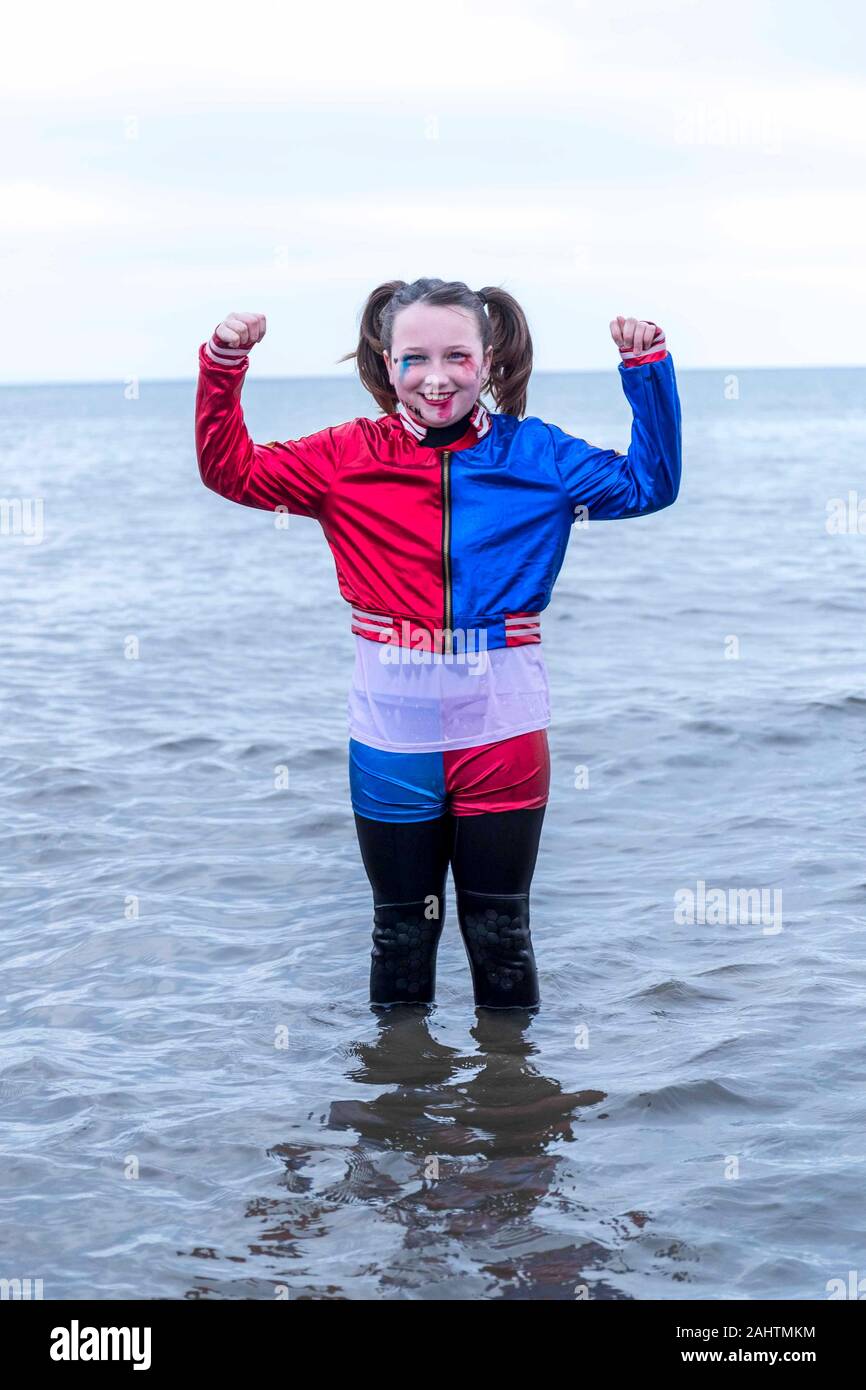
634, 337
232, 339
241, 330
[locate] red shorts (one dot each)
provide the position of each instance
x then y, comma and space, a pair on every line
510, 775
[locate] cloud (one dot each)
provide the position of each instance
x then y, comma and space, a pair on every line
162, 168
34, 207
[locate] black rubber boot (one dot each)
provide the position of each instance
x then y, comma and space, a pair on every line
495, 931
403, 959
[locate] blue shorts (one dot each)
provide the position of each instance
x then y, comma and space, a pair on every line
509, 775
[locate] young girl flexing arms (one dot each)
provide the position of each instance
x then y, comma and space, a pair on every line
448, 524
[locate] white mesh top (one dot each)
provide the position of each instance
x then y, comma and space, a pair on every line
428, 703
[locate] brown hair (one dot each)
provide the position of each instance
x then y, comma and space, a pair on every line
504, 325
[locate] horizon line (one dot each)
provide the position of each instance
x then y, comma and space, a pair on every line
351, 376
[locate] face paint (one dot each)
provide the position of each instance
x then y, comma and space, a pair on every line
432, 369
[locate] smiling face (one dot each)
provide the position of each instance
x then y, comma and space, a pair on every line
436, 352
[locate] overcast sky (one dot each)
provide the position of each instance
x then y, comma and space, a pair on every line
163, 164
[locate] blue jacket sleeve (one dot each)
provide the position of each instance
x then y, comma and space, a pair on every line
610, 484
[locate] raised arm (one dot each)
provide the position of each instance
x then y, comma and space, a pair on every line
295, 475
611, 485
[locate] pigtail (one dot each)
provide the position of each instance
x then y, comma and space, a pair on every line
511, 367
368, 354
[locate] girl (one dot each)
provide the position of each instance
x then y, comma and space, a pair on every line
448, 525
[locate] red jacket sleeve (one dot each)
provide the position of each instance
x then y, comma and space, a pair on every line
295, 475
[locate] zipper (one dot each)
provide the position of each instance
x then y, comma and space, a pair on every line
446, 550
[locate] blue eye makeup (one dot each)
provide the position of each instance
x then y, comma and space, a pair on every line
415, 357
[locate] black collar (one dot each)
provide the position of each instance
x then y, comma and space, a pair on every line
438, 437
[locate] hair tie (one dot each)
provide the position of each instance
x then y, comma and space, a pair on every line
482, 296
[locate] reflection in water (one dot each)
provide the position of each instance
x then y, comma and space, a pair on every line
456, 1149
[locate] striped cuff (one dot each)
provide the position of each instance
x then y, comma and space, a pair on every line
654, 353
224, 355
